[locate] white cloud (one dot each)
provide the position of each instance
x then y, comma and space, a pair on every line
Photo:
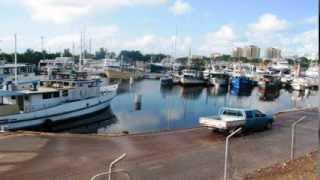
307, 43
221, 40
61, 11
112, 38
272, 31
314, 20
98, 34
268, 23
151, 43
180, 7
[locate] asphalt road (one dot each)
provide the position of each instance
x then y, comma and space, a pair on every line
183, 154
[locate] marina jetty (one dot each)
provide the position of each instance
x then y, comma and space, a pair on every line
195, 153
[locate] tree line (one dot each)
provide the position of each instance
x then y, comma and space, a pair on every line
131, 56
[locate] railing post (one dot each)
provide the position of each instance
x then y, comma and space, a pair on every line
293, 138
3, 128
113, 163
227, 153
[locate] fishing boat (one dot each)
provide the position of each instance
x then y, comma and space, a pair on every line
241, 82
270, 81
218, 79
191, 77
52, 101
25, 73
299, 83
120, 70
313, 72
166, 80
280, 65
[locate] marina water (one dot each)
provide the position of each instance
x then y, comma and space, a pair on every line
147, 107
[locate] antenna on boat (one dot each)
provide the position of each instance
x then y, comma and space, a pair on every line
15, 60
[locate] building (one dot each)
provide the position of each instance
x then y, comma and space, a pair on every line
237, 52
273, 53
214, 55
252, 52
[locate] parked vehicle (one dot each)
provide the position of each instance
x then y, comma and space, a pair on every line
230, 119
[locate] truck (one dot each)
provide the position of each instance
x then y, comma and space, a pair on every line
230, 119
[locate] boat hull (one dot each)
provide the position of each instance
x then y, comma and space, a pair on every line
58, 113
240, 83
166, 81
115, 74
191, 81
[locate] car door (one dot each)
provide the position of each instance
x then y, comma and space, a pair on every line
261, 120
249, 120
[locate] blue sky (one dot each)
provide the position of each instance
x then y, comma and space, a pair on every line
206, 26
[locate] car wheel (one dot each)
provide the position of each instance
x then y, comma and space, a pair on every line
269, 125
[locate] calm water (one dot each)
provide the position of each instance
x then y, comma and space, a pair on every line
179, 107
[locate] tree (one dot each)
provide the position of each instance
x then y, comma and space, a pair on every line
131, 56
101, 53
198, 63
304, 62
67, 53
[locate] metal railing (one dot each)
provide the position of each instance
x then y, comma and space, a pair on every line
109, 172
293, 136
226, 157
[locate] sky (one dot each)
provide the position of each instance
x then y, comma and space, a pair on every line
161, 26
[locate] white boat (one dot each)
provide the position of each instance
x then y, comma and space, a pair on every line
281, 65
299, 83
313, 72
25, 73
191, 77
59, 63
218, 79
286, 79
52, 101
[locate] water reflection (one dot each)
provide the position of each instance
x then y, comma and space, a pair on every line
192, 93
240, 92
169, 91
217, 91
86, 124
180, 107
269, 94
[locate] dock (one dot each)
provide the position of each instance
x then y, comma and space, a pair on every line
195, 153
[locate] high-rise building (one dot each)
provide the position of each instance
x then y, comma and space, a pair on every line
252, 52
273, 53
237, 52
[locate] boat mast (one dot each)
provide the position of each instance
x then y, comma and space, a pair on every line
80, 57
15, 60
42, 47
